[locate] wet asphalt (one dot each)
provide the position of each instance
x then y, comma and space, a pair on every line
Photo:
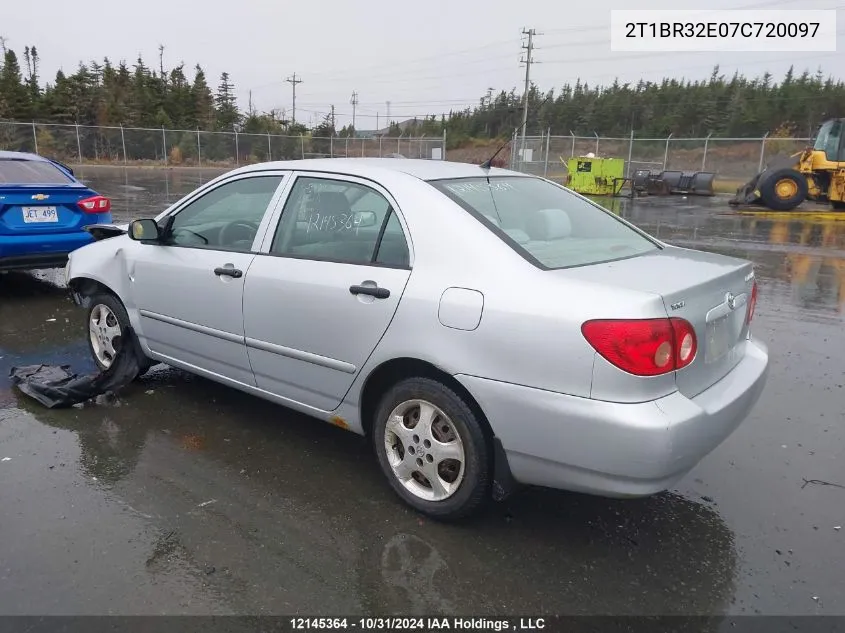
180, 496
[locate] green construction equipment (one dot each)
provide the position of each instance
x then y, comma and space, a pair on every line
595, 176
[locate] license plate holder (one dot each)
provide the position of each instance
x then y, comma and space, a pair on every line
722, 336
40, 215
718, 334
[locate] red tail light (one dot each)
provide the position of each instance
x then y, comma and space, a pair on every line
752, 304
643, 347
95, 204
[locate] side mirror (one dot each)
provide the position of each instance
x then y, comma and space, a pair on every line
365, 219
144, 231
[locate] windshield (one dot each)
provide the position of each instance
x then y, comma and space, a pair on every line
31, 172
827, 139
546, 223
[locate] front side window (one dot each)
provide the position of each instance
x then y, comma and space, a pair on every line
340, 221
545, 223
227, 217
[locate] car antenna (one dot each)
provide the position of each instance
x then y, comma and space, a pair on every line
487, 164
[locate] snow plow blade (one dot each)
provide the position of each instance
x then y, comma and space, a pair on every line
666, 183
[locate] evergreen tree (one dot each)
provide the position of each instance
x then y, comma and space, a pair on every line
226, 104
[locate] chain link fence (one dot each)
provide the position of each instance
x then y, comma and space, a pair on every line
100, 145
733, 160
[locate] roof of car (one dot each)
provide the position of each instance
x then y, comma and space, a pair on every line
4, 155
419, 168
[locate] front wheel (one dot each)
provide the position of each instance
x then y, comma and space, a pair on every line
433, 449
783, 189
107, 323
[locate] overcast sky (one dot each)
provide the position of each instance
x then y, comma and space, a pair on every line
424, 57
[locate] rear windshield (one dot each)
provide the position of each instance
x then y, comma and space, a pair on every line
31, 172
545, 223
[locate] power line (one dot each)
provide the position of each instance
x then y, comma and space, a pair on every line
293, 81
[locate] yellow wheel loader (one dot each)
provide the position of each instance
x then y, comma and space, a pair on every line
817, 173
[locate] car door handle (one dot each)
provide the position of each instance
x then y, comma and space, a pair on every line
228, 271
374, 291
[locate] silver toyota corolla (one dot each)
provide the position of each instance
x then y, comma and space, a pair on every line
485, 328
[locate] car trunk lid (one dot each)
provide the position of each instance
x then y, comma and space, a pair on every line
710, 291
42, 209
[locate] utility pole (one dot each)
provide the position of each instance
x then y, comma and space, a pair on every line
387, 103
354, 102
293, 81
528, 60
333, 127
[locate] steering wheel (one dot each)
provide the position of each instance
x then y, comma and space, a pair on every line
228, 234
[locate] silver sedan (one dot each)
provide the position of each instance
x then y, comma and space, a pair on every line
485, 328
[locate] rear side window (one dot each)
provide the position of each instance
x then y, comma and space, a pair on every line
547, 224
31, 172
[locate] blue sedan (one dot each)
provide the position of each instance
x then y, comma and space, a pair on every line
43, 212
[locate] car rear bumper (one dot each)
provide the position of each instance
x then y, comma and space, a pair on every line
615, 449
40, 250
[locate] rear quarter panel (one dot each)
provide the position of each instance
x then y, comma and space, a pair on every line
529, 333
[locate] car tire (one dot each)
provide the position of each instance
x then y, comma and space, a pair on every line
838, 205
783, 189
106, 312
444, 469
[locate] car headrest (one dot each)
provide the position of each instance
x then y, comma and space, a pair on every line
332, 203
549, 224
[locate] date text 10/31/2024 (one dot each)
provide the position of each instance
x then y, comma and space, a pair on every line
418, 624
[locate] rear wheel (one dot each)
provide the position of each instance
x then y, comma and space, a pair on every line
838, 205
783, 189
432, 449
107, 323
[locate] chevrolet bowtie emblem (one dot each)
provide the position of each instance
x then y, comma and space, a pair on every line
40, 196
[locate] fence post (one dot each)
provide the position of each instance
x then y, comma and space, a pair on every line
572, 151
78, 144
34, 137
443, 150
237, 149
331, 145
399, 143
704, 158
379, 145
269, 149
419, 146
164, 146
597, 142
363, 142
199, 149
546, 159
123, 143
762, 151
666, 153
346, 148
630, 155
302, 145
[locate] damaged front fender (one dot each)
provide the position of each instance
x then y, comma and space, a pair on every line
105, 231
